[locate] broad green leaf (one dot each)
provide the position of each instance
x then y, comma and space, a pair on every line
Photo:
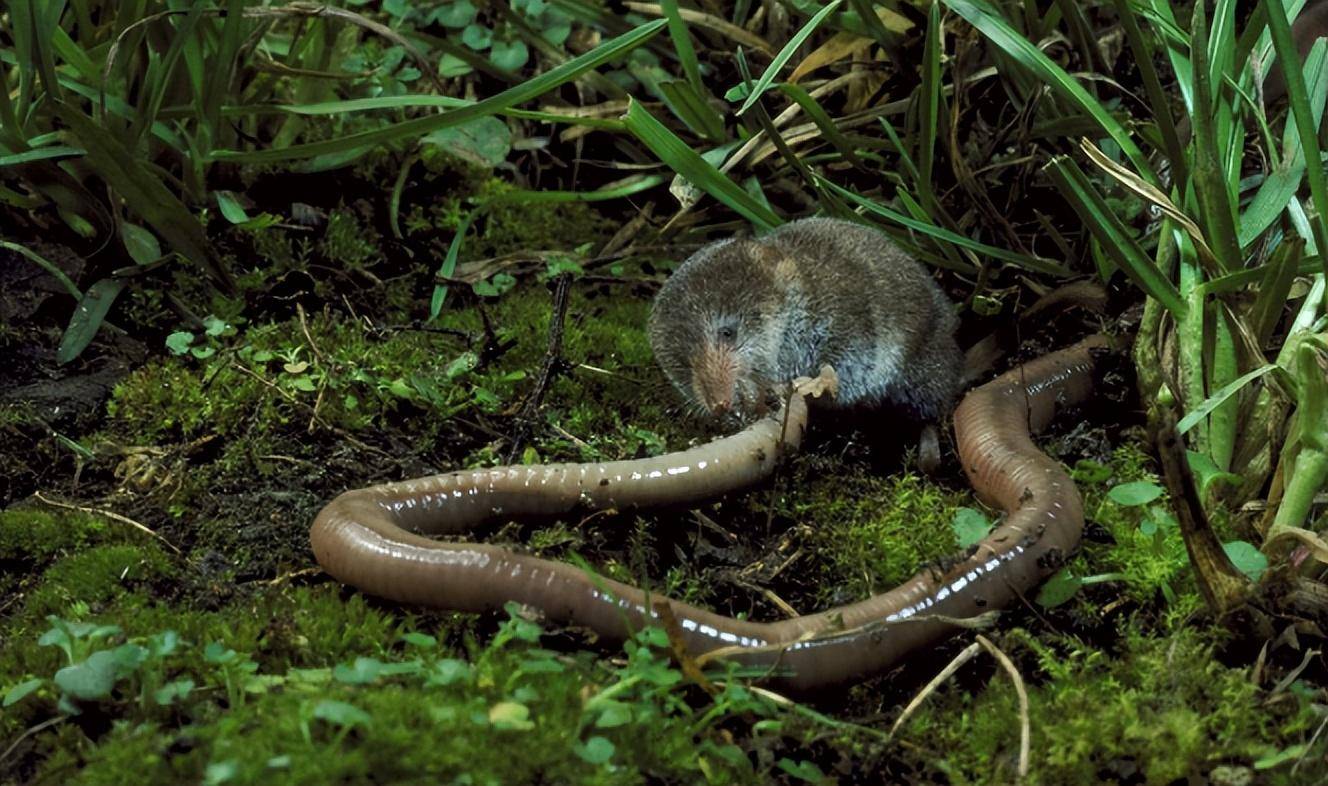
417, 639
449, 65
493, 287
448, 671
510, 715
1286, 755
509, 55
596, 750
340, 713
91, 679
20, 691
477, 37
87, 318
1058, 589
230, 207
802, 770
455, 14
1134, 493
218, 773
613, 714
484, 141
172, 691
969, 526
141, 244
365, 671
1247, 559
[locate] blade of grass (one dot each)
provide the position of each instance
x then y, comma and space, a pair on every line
40, 154
822, 120
692, 109
785, 54
1211, 403
682, 44
419, 126
1300, 110
1152, 194
45, 20
1112, 234
158, 80
448, 268
952, 253
989, 22
45, 264
1081, 34
217, 87
1035, 264
1158, 100
1216, 203
680, 157
1273, 289
74, 55
930, 93
144, 193
625, 188
1282, 183
417, 100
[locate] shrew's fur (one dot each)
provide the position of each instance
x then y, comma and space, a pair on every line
742, 315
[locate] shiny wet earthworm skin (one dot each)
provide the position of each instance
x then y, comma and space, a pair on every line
373, 538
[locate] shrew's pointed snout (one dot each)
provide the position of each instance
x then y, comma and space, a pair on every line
714, 379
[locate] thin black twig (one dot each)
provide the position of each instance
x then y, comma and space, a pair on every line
554, 364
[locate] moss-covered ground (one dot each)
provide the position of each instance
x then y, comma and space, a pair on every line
165, 623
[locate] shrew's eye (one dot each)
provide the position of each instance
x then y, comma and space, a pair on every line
728, 333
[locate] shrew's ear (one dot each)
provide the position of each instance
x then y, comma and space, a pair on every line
781, 268
786, 271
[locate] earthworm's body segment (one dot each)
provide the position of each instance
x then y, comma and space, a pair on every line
368, 537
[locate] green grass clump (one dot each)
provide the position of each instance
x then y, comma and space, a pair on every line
1163, 705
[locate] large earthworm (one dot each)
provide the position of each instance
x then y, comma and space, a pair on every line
372, 538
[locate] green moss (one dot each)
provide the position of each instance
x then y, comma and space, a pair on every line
1153, 565
614, 403
323, 717
507, 224
348, 242
1164, 706
867, 532
351, 379
31, 536
97, 577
